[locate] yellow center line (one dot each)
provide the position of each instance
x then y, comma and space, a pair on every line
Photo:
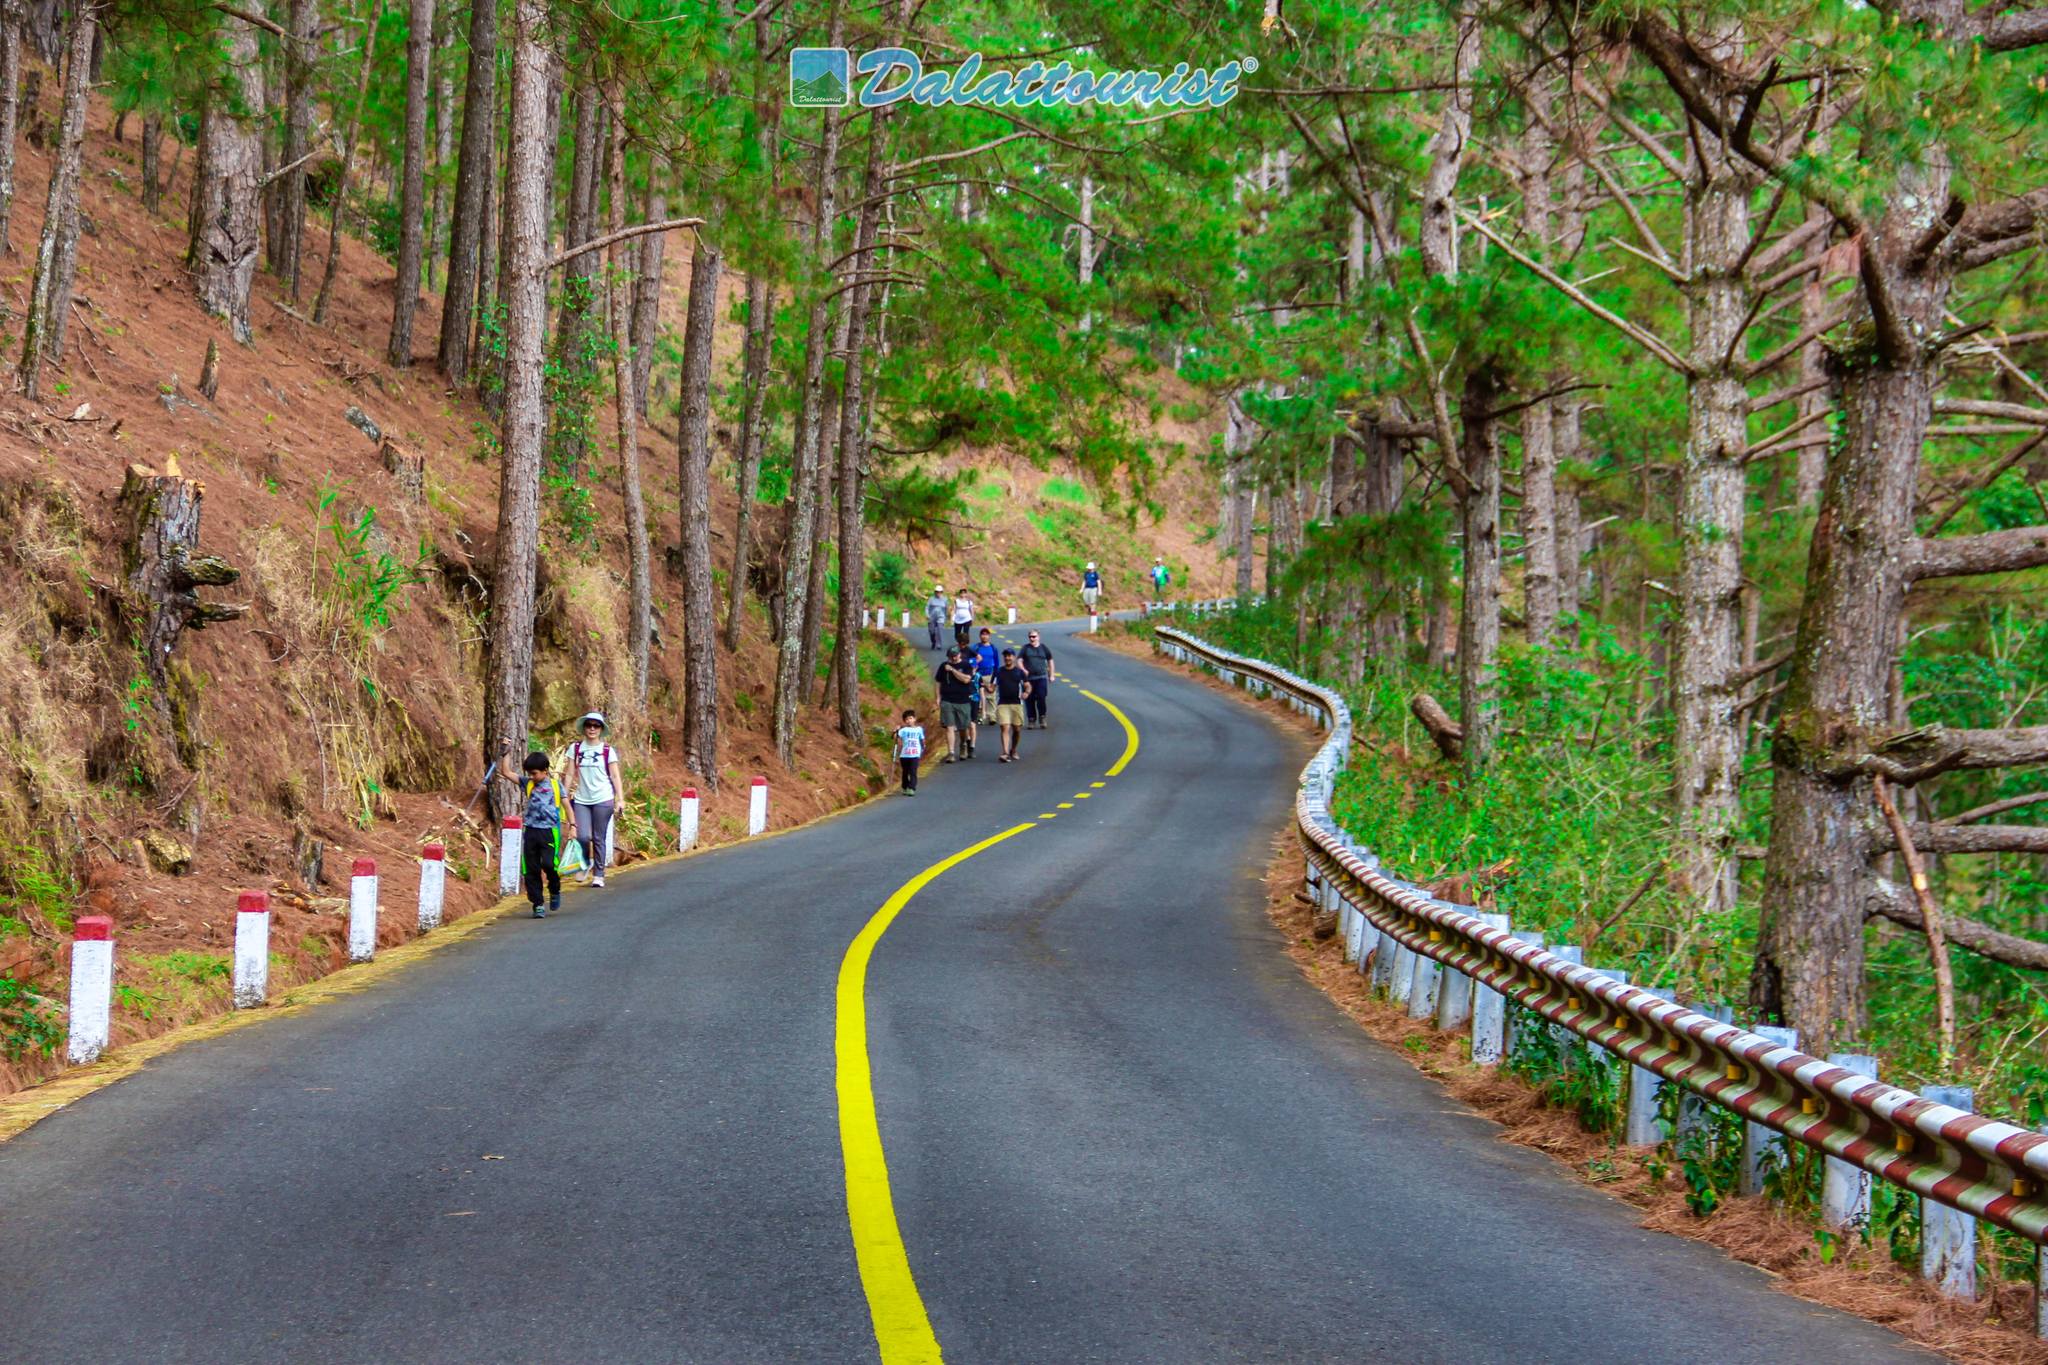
902, 1329
1130, 732
1098, 784
1082, 796
1066, 805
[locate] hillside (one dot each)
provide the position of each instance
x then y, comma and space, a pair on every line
336, 718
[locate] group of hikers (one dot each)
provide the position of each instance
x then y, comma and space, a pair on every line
980, 685
957, 611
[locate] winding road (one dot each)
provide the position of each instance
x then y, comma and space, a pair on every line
845, 1091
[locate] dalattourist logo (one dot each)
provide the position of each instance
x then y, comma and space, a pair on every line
820, 76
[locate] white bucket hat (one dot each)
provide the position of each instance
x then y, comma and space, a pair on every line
590, 716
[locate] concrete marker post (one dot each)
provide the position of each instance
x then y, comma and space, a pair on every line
906, 620
757, 807
362, 910
1403, 983
1645, 1092
1948, 1237
1013, 617
252, 950
508, 855
689, 811
1761, 1145
1094, 622
1489, 1010
433, 885
92, 988
1845, 1186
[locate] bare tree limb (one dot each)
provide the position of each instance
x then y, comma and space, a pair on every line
2008, 551
1895, 903
1920, 754
1770, 443
1944, 838
1977, 407
599, 243
1827, 322
1991, 476
1930, 923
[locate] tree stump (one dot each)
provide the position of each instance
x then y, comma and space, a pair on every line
165, 568
209, 373
407, 469
1448, 734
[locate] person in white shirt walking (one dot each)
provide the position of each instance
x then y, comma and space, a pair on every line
963, 617
909, 750
595, 789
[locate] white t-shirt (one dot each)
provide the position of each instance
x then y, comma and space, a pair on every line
963, 610
910, 741
591, 764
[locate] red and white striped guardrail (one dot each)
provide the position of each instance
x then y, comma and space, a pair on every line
1984, 1167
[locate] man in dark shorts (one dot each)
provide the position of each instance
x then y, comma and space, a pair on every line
955, 677
1036, 657
1013, 685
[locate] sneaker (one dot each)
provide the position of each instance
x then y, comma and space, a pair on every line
538, 912
554, 903
598, 880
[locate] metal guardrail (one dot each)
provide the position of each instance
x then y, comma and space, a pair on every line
1983, 1167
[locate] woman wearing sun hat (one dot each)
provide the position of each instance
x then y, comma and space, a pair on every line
591, 772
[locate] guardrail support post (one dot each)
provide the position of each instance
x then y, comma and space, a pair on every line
1489, 1010
1948, 1237
688, 813
1453, 999
1422, 990
757, 807
508, 856
1692, 1110
1761, 1145
252, 949
1403, 983
1520, 1021
1645, 1091
1384, 951
433, 885
1845, 1186
1559, 1034
92, 988
362, 910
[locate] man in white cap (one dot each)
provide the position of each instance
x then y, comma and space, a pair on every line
1160, 577
935, 612
591, 771
1091, 586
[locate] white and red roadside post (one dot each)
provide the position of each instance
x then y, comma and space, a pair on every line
362, 910
433, 885
252, 949
92, 987
689, 811
906, 620
757, 807
1094, 621
1013, 617
508, 856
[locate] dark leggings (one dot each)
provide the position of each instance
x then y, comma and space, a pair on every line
1034, 705
909, 773
537, 854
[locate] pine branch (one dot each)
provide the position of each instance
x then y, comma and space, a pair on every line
1920, 754
1896, 903
2008, 551
600, 243
1944, 838
1991, 808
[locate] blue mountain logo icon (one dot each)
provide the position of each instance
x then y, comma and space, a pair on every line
820, 77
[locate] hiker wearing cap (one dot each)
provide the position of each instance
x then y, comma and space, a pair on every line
1091, 586
1012, 686
1160, 576
985, 661
955, 677
594, 792
1036, 658
935, 612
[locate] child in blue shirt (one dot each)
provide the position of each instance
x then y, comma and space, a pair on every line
544, 810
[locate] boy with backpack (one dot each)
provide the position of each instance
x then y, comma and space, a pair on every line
543, 811
909, 749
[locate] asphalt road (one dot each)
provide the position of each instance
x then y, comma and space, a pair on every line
1118, 1126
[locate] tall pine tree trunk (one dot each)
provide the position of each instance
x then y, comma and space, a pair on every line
412, 194
1539, 436
472, 191
853, 453
444, 137
646, 305
10, 110
789, 676
518, 543
639, 585
230, 215
753, 432
693, 452
302, 21
60, 207
1707, 743
1479, 624
348, 157
568, 442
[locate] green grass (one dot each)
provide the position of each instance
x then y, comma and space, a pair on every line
1065, 490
